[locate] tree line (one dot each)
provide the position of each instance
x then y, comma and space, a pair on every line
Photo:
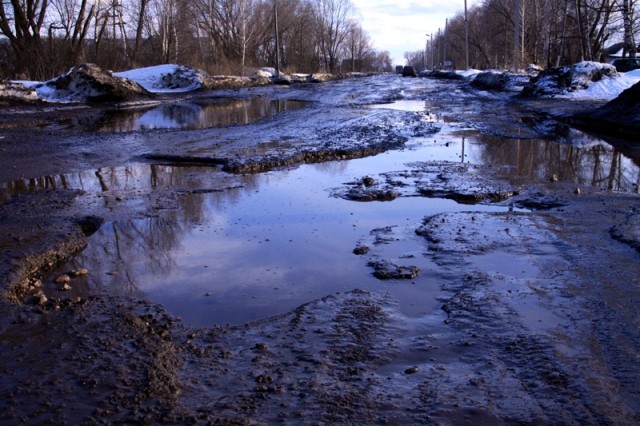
43, 38
550, 33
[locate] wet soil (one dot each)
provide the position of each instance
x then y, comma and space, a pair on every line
534, 318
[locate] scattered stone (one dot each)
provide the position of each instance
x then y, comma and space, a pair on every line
411, 370
79, 272
576, 191
261, 347
368, 181
361, 250
65, 287
264, 378
63, 279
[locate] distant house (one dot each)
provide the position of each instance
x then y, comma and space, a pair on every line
612, 52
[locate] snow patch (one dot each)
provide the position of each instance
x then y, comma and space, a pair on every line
166, 78
584, 80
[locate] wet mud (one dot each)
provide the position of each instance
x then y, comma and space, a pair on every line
534, 318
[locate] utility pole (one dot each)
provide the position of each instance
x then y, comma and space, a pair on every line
444, 59
516, 36
439, 38
466, 37
424, 55
433, 64
275, 24
430, 43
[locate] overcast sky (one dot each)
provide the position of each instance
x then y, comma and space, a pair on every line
400, 26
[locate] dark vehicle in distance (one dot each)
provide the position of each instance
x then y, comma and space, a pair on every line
409, 71
626, 64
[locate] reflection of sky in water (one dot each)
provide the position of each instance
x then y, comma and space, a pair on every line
182, 115
170, 117
282, 240
267, 251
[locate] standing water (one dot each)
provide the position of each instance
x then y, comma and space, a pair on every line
280, 239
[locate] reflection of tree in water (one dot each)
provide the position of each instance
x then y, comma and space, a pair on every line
592, 162
20, 186
124, 252
122, 249
220, 113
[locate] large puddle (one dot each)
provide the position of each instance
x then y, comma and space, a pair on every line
183, 115
276, 240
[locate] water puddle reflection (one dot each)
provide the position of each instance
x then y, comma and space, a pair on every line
230, 249
184, 115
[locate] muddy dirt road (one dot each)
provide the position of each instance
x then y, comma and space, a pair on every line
375, 250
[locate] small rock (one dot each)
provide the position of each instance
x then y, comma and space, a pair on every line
63, 279
576, 191
261, 346
264, 378
411, 370
65, 287
78, 272
360, 250
554, 178
368, 181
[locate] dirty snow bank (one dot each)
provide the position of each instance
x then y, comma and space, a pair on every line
17, 91
166, 78
607, 88
500, 80
88, 83
619, 116
572, 79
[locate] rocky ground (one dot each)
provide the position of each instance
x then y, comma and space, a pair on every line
538, 305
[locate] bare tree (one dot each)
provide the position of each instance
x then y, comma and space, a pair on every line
627, 17
74, 20
334, 18
21, 22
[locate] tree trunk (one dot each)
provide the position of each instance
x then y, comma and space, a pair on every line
629, 42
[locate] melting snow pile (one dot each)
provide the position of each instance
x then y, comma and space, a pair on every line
572, 81
621, 115
166, 78
17, 91
89, 83
498, 80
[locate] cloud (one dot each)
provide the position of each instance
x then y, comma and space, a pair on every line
401, 26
